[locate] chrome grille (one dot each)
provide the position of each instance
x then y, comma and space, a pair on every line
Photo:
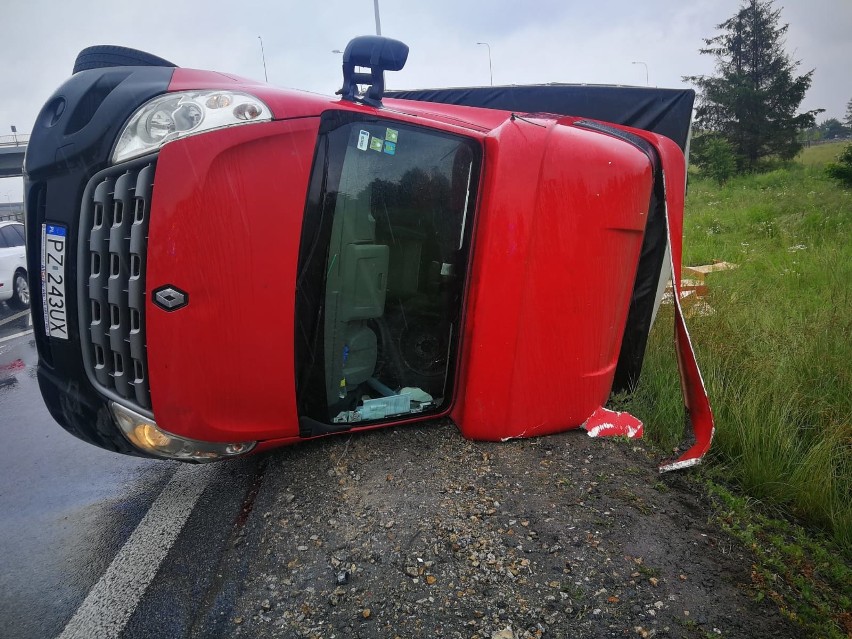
114, 235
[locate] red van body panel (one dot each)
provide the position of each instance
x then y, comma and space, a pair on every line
225, 227
550, 279
558, 238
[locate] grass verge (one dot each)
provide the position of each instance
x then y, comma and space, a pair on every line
775, 354
795, 569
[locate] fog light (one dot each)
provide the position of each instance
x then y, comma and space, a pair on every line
149, 436
145, 435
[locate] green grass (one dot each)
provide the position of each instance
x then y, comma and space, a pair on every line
821, 154
795, 569
776, 354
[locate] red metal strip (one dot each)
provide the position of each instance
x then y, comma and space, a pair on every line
696, 402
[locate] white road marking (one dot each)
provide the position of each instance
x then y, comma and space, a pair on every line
110, 603
15, 336
12, 318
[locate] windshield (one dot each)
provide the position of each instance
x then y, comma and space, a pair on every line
382, 269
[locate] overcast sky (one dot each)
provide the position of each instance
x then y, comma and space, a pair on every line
531, 42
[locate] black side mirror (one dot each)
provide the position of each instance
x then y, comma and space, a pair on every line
377, 54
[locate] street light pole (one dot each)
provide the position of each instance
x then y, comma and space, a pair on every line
490, 72
15, 133
646, 70
263, 56
378, 20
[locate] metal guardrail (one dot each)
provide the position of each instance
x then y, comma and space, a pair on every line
19, 139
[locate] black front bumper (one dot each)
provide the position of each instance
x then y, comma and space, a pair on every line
71, 141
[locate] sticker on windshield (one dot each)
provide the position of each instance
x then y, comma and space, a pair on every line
392, 135
376, 144
363, 139
390, 147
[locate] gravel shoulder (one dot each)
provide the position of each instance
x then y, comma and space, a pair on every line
415, 532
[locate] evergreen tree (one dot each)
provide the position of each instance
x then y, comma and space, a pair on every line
714, 157
833, 128
842, 169
752, 100
848, 118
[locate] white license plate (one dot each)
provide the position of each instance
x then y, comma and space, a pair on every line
53, 243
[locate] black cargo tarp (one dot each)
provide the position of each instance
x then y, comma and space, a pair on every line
664, 111
667, 112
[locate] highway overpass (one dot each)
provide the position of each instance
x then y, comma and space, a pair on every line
12, 148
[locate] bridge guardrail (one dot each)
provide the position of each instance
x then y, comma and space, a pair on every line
19, 139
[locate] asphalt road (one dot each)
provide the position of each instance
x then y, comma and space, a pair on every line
71, 519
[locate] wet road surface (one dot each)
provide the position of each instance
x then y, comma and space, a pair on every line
65, 506
68, 511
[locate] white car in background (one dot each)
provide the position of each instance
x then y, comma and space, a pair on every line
14, 289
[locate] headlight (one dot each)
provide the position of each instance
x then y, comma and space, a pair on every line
144, 433
176, 115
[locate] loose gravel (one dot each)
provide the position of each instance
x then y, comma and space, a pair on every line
415, 532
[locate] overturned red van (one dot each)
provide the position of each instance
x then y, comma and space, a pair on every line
226, 266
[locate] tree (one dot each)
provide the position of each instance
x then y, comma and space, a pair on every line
713, 155
842, 169
833, 128
848, 118
752, 100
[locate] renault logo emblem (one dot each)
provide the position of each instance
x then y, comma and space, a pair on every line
170, 298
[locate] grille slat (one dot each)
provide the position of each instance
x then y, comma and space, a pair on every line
117, 218
136, 284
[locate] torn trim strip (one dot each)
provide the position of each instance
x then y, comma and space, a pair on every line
696, 402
